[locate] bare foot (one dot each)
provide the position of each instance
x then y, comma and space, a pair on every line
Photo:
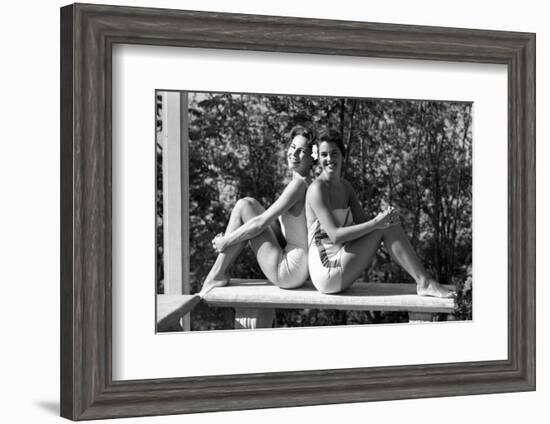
434, 289
210, 283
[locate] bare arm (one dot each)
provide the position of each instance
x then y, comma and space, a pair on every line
357, 211
292, 193
319, 200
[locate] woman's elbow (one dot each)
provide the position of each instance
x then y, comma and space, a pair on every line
260, 224
334, 237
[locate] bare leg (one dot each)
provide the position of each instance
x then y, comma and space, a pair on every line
359, 253
218, 273
401, 250
265, 245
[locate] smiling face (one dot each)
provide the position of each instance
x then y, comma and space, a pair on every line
299, 155
330, 158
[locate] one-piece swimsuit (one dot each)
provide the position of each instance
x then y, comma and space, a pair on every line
325, 257
292, 269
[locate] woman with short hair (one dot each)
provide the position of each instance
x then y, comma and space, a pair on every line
250, 222
342, 240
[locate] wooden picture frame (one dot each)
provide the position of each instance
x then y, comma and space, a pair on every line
88, 33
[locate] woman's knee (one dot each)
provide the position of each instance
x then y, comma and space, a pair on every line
246, 203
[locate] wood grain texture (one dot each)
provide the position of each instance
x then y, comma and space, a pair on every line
360, 297
68, 400
172, 307
88, 33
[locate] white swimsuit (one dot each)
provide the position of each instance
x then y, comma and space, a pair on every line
325, 263
292, 269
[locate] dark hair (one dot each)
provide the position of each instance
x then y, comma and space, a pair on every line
333, 136
308, 133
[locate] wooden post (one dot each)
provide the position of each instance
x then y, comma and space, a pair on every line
250, 318
185, 220
176, 195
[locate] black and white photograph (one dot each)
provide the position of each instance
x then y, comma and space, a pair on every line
275, 212
278, 210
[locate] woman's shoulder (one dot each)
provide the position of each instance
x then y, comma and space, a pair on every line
318, 184
297, 184
295, 188
316, 188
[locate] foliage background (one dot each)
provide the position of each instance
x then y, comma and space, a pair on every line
413, 154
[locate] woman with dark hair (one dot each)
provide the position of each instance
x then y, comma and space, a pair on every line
342, 241
250, 222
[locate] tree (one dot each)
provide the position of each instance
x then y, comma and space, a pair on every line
415, 155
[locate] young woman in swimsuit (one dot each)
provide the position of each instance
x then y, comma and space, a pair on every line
342, 241
250, 222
